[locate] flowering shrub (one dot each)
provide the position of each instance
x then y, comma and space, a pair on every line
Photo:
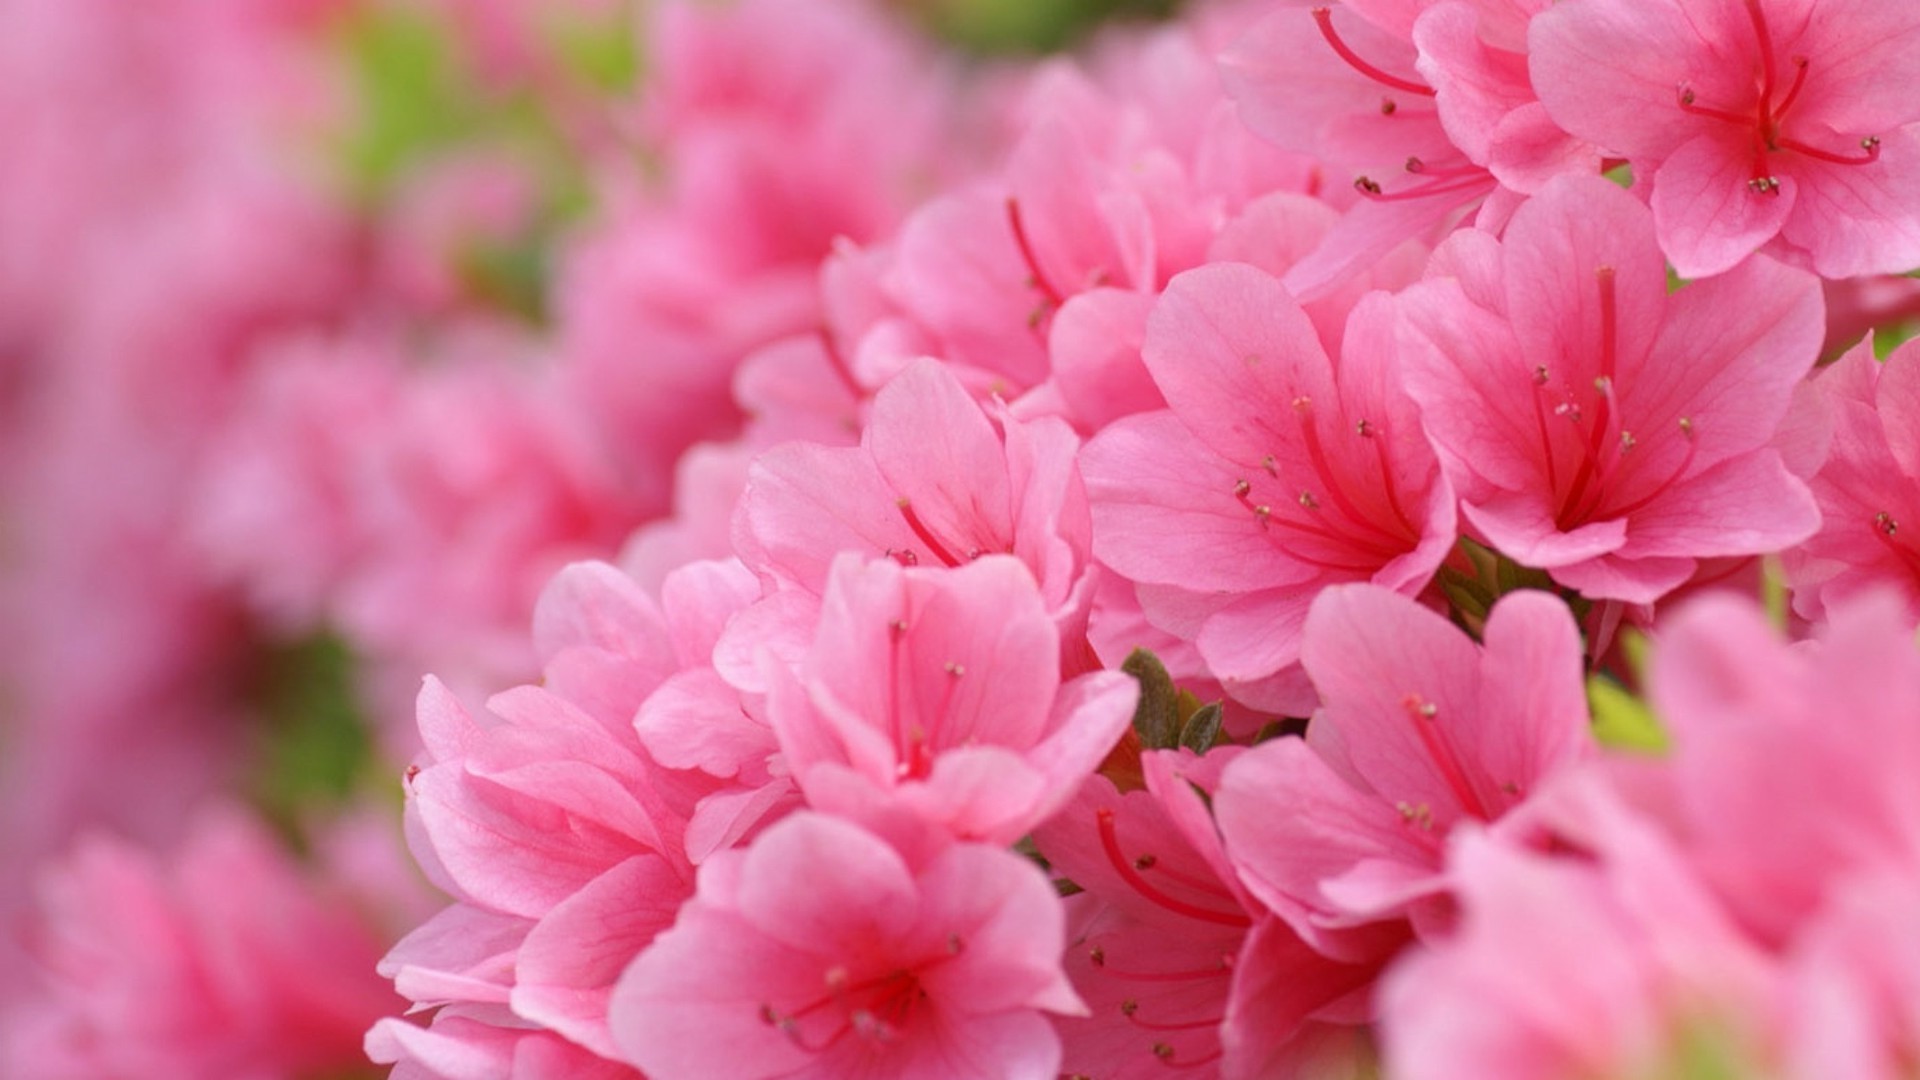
1363, 540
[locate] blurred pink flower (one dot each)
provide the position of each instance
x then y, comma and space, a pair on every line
224, 959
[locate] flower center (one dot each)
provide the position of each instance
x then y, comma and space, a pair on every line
1336, 527
876, 1009
1606, 481
1769, 111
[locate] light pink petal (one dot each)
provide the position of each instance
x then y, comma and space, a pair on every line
825, 886
1476, 85
1633, 581
1371, 229
1528, 150
984, 793
723, 819
464, 953
1556, 246
699, 598
1732, 382
1379, 660
1013, 930
1466, 372
565, 972
1745, 506
1089, 716
1543, 723
1521, 526
1256, 635
1329, 831
1610, 73
1868, 53
936, 448
1707, 215
594, 605
982, 658
1279, 981
1858, 219
696, 721
1164, 511
1095, 342
686, 1006
805, 504
1227, 343
958, 264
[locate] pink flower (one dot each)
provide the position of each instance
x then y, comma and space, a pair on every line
1617, 966
1339, 83
1768, 123
1753, 732
936, 481
1855, 981
1869, 487
477, 1043
1591, 422
931, 701
567, 846
780, 128
224, 959
1274, 474
1421, 731
1179, 966
479, 486
819, 952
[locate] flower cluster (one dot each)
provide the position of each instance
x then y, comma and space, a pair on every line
1216, 554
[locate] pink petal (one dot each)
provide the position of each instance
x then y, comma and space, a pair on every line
565, 971
1707, 215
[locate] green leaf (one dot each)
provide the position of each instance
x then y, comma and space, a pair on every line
1028, 25
312, 748
413, 97
1622, 721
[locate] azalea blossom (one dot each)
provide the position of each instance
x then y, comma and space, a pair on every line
1867, 487
1591, 421
1765, 124
819, 951
1274, 473
888, 720
1421, 731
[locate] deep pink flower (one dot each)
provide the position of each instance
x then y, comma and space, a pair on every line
931, 702
566, 845
1339, 83
1869, 487
1420, 731
819, 952
937, 480
1275, 473
1765, 123
1592, 423
1179, 966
